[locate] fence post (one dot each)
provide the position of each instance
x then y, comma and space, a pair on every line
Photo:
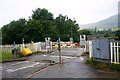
50, 45
40, 46
114, 52
90, 49
111, 46
117, 53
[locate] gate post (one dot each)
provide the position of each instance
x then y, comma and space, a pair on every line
114, 52
117, 53
111, 51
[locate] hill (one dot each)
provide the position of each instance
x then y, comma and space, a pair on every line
111, 22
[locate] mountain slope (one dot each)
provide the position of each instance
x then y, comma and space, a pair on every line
111, 22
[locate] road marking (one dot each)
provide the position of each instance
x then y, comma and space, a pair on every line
53, 52
1, 68
32, 65
30, 76
81, 58
62, 56
44, 55
19, 63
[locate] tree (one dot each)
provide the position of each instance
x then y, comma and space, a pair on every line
85, 32
42, 14
106, 35
13, 31
66, 28
117, 35
38, 27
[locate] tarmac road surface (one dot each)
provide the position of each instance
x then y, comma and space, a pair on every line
39, 66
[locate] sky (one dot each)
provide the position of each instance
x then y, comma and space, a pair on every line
83, 11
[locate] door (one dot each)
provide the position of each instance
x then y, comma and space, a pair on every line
96, 49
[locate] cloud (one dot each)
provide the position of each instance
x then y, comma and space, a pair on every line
84, 11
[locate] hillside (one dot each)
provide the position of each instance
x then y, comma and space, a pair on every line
111, 22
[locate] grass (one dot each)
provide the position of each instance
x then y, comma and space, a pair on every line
6, 54
103, 66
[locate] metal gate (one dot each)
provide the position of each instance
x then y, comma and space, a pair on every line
101, 48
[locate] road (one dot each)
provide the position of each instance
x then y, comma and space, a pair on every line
45, 66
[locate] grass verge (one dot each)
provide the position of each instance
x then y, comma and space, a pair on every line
6, 55
104, 66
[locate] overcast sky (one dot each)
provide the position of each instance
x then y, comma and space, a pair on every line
84, 11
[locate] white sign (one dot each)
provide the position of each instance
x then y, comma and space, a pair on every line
82, 39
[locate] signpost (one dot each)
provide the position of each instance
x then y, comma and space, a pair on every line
47, 40
23, 42
83, 42
59, 49
71, 40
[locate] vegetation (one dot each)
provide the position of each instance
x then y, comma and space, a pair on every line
85, 32
102, 33
0, 36
6, 55
117, 35
104, 66
41, 24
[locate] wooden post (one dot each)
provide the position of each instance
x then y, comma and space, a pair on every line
117, 53
40, 46
114, 52
90, 49
51, 46
111, 46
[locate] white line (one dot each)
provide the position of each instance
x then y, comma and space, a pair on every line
13, 70
44, 55
39, 71
0, 67
19, 63
81, 58
62, 56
